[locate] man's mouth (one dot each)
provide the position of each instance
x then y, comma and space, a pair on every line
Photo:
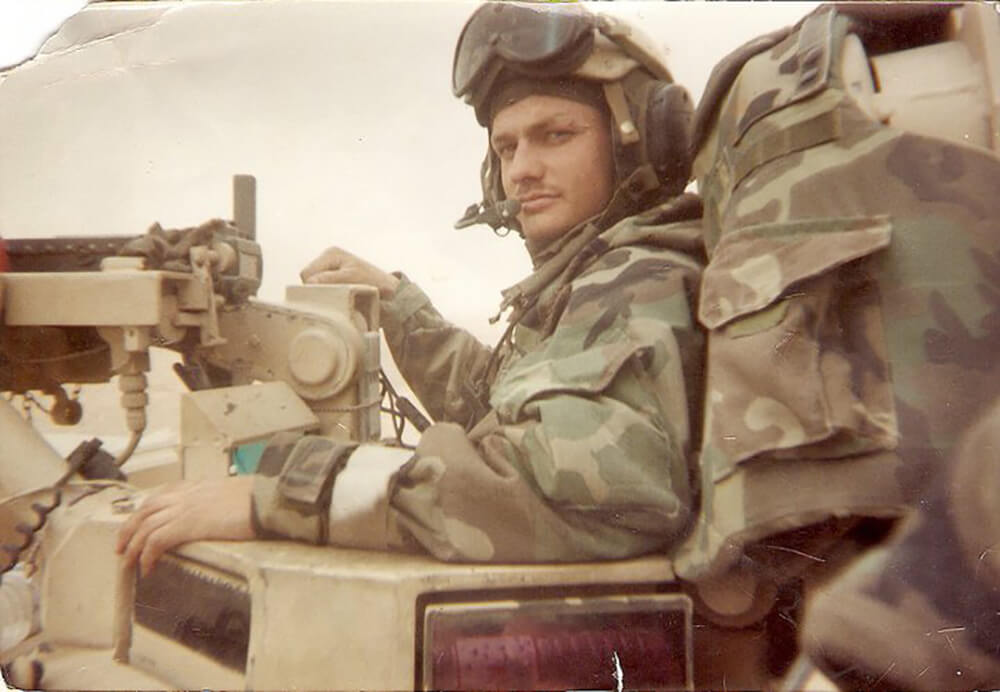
532, 204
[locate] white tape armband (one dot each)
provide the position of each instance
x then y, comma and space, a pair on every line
359, 506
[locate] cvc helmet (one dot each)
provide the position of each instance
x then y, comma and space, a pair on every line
650, 116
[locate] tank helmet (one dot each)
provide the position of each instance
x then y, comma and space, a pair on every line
556, 46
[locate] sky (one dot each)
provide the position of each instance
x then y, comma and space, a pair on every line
142, 112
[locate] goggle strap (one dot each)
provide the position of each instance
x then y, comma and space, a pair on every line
614, 94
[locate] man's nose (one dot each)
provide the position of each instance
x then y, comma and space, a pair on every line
525, 164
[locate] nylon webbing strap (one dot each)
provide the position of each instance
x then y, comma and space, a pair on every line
614, 92
814, 53
822, 128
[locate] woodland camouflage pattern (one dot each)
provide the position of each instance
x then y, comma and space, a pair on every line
573, 443
852, 298
923, 613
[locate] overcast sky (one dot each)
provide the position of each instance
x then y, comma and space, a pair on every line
141, 112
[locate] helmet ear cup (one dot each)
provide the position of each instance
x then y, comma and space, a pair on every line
666, 125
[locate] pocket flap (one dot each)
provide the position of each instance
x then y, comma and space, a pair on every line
754, 266
538, 374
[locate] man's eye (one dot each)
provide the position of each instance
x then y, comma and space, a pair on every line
557, 136
504, 151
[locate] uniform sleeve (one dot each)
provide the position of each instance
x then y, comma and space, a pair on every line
580, 478
583, 455
441, 363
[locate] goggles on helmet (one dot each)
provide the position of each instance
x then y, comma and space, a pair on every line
547, 41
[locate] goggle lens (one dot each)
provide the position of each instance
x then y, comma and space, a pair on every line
523, 36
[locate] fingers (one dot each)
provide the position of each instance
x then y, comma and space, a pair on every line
330, 259
188, 511
141, 545
157, 542
126, 532
150, 505
336, 266
154, 512
337, 276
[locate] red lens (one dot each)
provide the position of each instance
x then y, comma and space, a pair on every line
559, 645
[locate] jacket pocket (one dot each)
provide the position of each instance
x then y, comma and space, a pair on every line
797, 364
541, 373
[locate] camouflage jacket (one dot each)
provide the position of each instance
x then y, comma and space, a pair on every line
581, 450
852, 294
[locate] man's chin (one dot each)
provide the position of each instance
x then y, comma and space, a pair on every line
543, 228
539, 237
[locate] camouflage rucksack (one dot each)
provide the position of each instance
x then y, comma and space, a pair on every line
852, 296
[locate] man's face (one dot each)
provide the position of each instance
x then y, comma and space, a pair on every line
556, 160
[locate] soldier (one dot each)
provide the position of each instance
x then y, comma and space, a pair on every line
852, 292
570, 440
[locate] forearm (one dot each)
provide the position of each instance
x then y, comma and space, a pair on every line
442, 363
535, 491
583, 453
513, 496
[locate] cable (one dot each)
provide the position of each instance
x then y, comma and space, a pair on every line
402, 410
129, 448
13, 552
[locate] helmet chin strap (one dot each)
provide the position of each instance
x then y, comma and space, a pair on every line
614, 95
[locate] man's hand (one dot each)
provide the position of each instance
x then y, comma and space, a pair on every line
187, 511
336, 266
